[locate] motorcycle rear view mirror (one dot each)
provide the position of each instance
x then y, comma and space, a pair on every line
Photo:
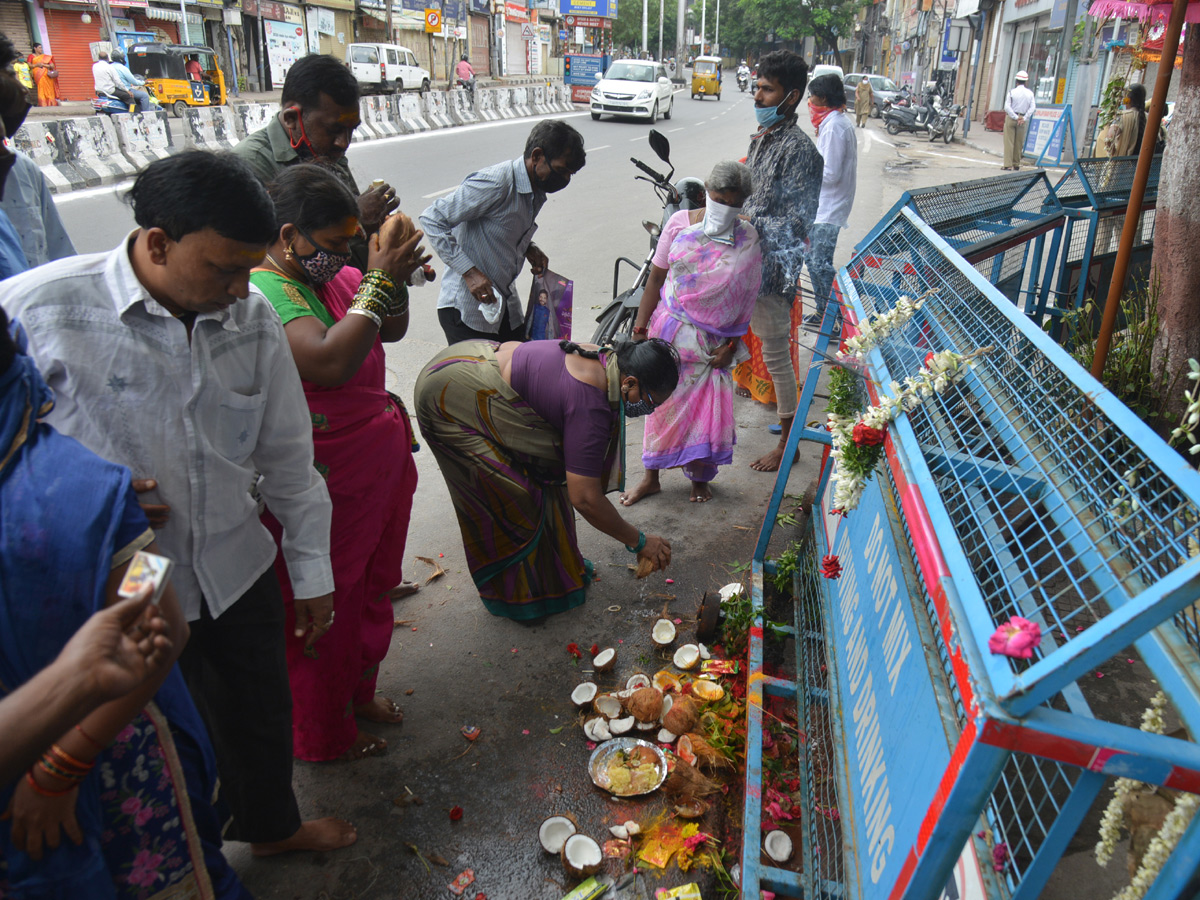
660, 145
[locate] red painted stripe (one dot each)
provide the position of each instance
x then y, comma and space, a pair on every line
910, 864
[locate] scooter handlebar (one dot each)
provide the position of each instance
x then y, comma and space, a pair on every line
659, 179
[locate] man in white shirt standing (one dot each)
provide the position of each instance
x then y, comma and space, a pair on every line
839, 149
162, 361
1018, 109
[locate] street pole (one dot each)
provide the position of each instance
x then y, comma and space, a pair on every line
974, 64
184, 36
679, 48
717, 36
106, 17
388, 19
1133, 212
661, 3
645, 26
703, 10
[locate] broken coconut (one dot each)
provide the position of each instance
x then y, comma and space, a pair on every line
668, 702
666, 680
692, 809
597, 729
604, 660
778, 846
581, 856
666, 737
646, 726
608, 706
663, 632
584, 694
646, 704
687, 656
733, 589
683, 749
621, 726
708, 690
625, 830
554, 832
705, 754
637, 680
687, 783
682, 717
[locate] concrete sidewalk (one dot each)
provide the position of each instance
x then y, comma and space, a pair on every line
992, 143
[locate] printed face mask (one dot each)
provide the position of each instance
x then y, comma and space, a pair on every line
719, 219
322, 265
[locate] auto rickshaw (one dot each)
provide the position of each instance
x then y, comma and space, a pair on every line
706, 77
165, 68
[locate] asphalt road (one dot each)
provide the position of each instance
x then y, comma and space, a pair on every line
455, 665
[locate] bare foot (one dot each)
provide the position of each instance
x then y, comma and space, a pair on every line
769, 462
315, 835
701, 492
364, 746
647, 486
742, 391
403, 589
382, 710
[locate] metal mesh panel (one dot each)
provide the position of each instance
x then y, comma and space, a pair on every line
1108, 233
822, 816
1104, 182
1023, 807
1017, 446
1078, 241
975, 212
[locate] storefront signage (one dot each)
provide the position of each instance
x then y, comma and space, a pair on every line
1049, 128
587, 22
515, 12
271, 9
480, 6
601, 8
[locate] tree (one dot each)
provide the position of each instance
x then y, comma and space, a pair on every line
627, 27
788, 20
1177, 222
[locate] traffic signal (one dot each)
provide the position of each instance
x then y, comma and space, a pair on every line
567, 66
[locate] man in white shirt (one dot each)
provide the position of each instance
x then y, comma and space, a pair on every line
106, 80
839, 149
1018, 109
162, 361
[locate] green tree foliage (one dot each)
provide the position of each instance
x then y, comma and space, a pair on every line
746, 23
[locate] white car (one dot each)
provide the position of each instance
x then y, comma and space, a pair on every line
634, 87
384, 68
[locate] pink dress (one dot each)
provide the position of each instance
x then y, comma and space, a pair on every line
707, 299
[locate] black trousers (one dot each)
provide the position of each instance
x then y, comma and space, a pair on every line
236, 669
455, 331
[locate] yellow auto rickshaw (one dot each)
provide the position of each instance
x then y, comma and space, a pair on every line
706, 77
179, 76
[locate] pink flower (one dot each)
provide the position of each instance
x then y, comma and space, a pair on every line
145, 868
1000, 857
126, 733
144, 815
1017, 638
131, 806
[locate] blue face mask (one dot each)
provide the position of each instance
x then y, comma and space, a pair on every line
769, 115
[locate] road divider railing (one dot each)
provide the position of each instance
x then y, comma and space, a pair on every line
83, 152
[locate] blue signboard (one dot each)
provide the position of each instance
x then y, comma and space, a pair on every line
481, 6
603, 8
894, 741
1049, 127
582, 70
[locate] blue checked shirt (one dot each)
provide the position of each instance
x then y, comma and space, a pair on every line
487, 223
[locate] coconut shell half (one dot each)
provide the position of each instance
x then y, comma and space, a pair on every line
554, 832
682, 717
646, 704
604, 660
581, 856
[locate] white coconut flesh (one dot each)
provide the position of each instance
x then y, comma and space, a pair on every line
554, 833
704, 654
581, 855
620, 832
584, 694
687, 656
730, 590
636, 681
666, 681
668, 702
604, 658
622, 726
646, 726
778, 846
608, 706
664, 632
597, 729
665, 737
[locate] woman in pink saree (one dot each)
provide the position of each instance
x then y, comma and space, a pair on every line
699, 296
337, 320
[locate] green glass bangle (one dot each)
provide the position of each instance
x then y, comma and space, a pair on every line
641, 544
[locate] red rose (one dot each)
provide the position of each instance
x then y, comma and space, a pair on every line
866, 436
928, 359
456, 813
595, 649
573, 649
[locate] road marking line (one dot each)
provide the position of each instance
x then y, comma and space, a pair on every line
439, 193
601, 147
673, 130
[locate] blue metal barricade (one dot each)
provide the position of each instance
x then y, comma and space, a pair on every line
1026, 490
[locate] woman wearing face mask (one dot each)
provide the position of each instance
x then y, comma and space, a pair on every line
523, 432
699, 296
336, 319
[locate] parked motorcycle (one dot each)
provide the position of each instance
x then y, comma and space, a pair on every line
916, 119
945, 123
686, 193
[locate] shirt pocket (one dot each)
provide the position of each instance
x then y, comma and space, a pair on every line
239, 418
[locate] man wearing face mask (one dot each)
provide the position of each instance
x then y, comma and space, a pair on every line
483, 232
316, 121
787, 171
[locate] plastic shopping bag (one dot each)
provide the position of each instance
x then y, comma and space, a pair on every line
548, 316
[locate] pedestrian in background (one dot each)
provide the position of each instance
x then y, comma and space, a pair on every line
839, 149
483, 232
1017, 110
786, 170
45, 76
862, 101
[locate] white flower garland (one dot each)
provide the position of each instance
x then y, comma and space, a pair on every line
1161, 847
940, 371
1114, 813
1189, 422
875, 330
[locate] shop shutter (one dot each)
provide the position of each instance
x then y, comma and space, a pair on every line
14, 24
480, 43
515, 49
70, 45
158, 26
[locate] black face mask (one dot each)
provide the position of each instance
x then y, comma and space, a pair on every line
553, 182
